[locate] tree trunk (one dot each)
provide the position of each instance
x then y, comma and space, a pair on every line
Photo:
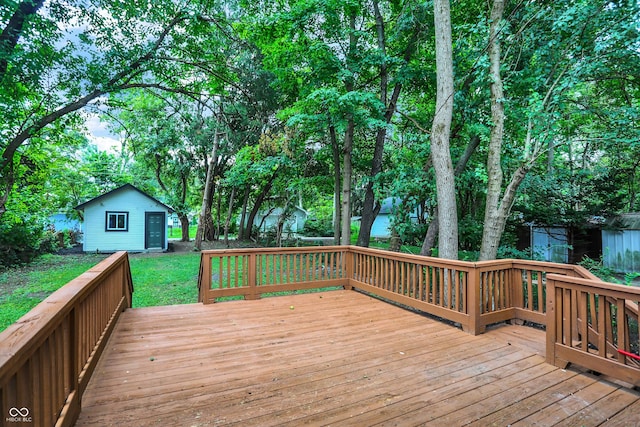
218, 215
370, 209
347, 169
243, 214
14, 29
432, 231
494, 217
430, 237
184, 224
282, 218
256, 207
345, 217
227, 222
206, 203
337, 176
209, 231
440, 134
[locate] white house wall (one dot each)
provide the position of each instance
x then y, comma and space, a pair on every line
96, 238
381, 227
294, 223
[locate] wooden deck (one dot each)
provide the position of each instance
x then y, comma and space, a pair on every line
335, 358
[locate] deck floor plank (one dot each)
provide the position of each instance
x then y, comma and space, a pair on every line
333, 358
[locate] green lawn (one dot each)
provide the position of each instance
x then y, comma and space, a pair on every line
158, 280
23, 288
176, 232
165, 279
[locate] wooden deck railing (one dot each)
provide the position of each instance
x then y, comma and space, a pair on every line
253, 272
47, 357
433, 285
595, 325
472, 294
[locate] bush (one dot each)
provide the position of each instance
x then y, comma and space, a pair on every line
598, 268
21, 241
318, 227
412, 233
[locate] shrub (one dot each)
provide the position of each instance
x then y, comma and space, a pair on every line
318, 227
21, 241
598, 268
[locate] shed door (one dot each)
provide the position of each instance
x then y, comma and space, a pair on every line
154, 230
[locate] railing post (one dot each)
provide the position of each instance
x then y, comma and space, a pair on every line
551, 328
517, 296
554, 322
473, 303
77, 388
348, 260
252, 278
205, 277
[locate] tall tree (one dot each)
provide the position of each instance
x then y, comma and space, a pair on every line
113, 46
390, 101
494, 217
440, 133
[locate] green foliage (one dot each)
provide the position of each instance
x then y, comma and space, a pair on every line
598, 268
318, 227
23, 239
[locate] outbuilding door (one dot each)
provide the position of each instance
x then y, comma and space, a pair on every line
154, 223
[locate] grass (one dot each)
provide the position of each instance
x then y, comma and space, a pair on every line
165, 279
158, 280
23, 288
176, 232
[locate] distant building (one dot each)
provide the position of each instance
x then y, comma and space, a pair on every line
381, 227
125, 219
551, 243
559, 243
294, 223
621, 243
61, 222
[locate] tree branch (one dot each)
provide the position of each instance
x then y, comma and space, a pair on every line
12, 32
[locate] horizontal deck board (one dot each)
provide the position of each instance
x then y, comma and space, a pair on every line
332, 358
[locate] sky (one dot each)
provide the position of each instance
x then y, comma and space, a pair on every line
99, 135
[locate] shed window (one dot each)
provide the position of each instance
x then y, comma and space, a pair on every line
117, 221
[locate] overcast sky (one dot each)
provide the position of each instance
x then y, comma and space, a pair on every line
100, 135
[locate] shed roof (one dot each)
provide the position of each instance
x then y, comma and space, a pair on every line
125, 187
387, 205
626, 221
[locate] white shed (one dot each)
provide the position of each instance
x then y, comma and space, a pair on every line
381, 227
294, 223
125, 219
